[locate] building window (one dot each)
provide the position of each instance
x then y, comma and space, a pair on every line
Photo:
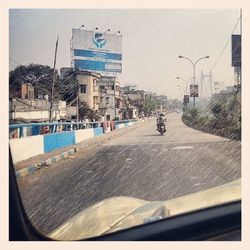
107, 100
83, 88
96, 100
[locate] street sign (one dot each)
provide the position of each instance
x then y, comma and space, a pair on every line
193, 90
186, 99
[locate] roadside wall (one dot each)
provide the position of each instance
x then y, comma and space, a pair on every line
27, 147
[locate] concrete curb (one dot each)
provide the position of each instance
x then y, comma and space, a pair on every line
31, 169
98, 140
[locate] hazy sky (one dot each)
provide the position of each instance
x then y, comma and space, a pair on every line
152, 41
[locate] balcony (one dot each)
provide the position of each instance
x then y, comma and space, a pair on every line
96, 89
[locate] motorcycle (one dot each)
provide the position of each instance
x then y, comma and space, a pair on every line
162, 128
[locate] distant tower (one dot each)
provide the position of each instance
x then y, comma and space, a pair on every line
206, 83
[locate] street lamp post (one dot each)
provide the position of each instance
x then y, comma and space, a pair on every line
182, 92
194, 64
179, 78
186, 91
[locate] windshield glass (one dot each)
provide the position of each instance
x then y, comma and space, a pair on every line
130, 117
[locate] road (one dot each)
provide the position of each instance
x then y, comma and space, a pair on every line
141, 164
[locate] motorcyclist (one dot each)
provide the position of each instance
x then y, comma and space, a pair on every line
160, 120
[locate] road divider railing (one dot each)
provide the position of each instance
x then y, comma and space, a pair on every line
29, 140
32, 129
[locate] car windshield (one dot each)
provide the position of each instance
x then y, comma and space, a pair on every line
123, 117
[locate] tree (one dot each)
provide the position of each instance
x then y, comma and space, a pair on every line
40, 77
149, 106
85, 112
217, 109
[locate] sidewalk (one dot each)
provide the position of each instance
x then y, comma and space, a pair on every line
30, 165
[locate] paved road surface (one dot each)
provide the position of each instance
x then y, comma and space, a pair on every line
139, 164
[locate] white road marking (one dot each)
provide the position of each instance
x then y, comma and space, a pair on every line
183, 147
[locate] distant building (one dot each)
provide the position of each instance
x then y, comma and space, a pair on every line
89, 88
35, 110
162, 99
65, 72
110, 97
223, 93
216, 87
133, 101
230, 89
71, 112
150, 94
27, 91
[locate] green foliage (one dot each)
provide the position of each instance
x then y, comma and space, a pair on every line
87, 113
149, 106
41, 77
224, 120
216, 109
194, 114
203, 121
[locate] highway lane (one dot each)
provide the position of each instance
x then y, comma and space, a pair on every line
141, 164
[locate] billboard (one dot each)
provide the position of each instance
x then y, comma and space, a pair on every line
236, 50
193, 90
96, 51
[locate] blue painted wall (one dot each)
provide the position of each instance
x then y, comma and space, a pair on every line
35, 130
58, 140
98, 131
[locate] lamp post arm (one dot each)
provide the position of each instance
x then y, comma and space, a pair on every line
185, 83
204, 57
193, 67
194, 64
188, 60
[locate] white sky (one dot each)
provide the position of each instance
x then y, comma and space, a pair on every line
152, 41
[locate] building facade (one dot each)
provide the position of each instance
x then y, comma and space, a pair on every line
27, 91
35, 110
89, 93
110, 98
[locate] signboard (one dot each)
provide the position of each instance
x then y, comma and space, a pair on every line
236, 50
96, 51
193, 90
186, 99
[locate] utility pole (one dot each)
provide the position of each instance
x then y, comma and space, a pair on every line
241, 39
53, 83
77, 101
114, 99
240, 21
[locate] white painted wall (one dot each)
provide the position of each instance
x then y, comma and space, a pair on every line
121, 125
41, 114
26, 147
31, 115
83, 134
